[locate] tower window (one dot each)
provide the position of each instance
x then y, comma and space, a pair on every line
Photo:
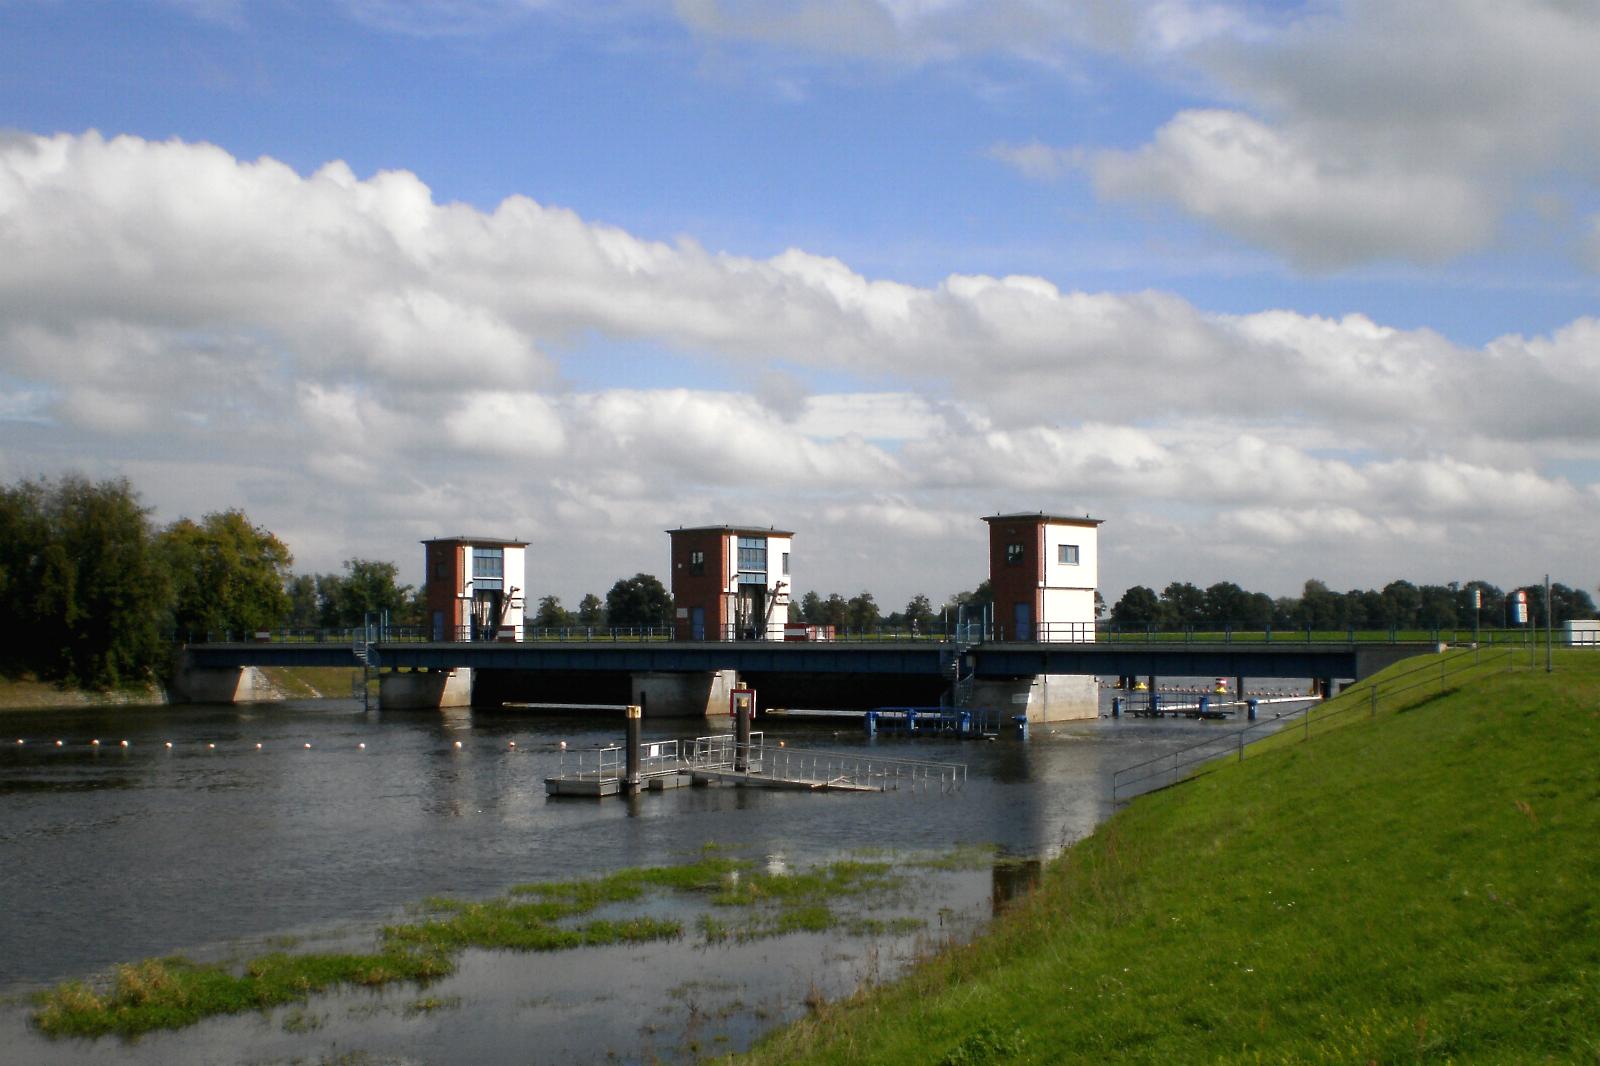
697, 562
1069, 555
1015, 553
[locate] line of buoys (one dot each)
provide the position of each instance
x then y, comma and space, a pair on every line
211, 745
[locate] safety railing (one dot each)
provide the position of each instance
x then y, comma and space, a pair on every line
591, 764
866, 773
1393, 692
720, 752
964, 634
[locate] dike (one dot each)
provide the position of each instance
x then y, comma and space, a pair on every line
1417, 885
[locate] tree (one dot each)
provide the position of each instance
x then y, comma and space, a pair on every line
1139, 607
1401, 603
811, 608
228, 576
81, 582
919, 614
835, 612
1185, 604
1320, 608
302, 593
863, 611
551, 615
591, 610
366, 588
640, 600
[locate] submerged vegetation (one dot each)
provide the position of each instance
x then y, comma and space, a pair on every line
1411, 886
169, 993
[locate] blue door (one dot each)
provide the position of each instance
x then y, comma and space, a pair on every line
697, 623
438, 626
1024, 614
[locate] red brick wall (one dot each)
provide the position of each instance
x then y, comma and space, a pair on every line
1019, 583
700, 590
443, 559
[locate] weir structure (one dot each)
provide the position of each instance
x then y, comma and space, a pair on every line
1035, 659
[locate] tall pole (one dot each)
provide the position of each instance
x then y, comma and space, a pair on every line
1549, 626
632, 778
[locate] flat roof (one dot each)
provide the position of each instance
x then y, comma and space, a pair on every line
760, 531
1042, 517
487, 542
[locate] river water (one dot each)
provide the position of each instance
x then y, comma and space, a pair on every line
313, 823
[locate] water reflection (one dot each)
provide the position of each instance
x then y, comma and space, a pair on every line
113, 855
1012, 880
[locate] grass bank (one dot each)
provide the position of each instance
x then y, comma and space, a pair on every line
1418, 886
30, 694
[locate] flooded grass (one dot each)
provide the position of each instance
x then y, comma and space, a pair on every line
173, 992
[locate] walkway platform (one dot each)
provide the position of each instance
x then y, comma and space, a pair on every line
717, 760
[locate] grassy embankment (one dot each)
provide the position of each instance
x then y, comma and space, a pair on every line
1416, 886
171, 993
293, 682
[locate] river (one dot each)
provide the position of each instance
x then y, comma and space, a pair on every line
312, 823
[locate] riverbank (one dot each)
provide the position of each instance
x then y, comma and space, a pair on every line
286, 682
1414, 886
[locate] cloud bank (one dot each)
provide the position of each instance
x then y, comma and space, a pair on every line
361, 366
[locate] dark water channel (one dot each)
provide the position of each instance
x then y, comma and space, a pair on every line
218, 849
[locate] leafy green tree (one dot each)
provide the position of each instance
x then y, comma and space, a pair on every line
919, 614
81, 582
551, 615
591, 610
228, 576
1185, 604
811, 608
640, 600
1138, 607
1320, 608
863, 611
1401, 603
835, 612
303, 607
368, 587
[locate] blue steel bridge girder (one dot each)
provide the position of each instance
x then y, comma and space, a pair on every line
882, 658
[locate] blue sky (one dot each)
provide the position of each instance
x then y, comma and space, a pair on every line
1317, 280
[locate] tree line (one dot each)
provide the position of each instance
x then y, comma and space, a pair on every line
96, 591
1398, 605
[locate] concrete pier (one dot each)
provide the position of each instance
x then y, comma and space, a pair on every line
691, 694
422, 690
224, 684
1043, 697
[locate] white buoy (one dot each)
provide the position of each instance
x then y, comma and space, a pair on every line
95, 743
563, 745
511, 744
458, 744
169, 744
19, 740
362, 745
308, 744
124, 743
210, 746
258, 745
59, 743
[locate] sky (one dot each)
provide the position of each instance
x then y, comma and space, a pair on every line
1276, 290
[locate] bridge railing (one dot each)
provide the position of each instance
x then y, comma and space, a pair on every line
1393, 692
1074, 632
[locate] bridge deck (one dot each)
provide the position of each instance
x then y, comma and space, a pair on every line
905, 658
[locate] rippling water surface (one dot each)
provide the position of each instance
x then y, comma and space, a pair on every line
216, 848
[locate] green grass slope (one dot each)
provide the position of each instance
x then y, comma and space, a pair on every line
1418, 886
